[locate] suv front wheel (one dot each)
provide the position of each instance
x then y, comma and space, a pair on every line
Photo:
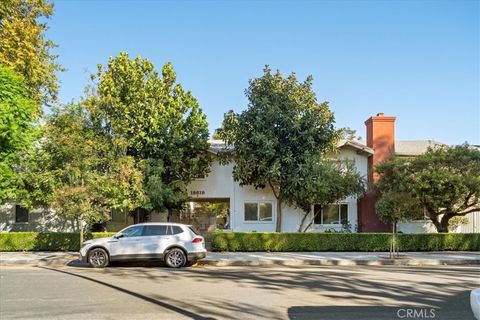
175, 258
98, 258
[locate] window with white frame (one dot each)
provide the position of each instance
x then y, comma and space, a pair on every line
331, 214
260, 211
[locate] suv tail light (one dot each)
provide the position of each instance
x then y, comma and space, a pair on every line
197, 240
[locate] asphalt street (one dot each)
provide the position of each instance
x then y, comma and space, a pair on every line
155, 292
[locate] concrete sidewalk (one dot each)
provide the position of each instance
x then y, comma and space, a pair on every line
270, 258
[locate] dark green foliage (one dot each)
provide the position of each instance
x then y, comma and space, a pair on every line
79, 171
45, 241
280, 139
162, 124
17, 129
393, 207
266, 241
445, 182
363, 242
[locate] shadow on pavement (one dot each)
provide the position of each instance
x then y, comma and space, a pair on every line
343, 312
413, 311
440, 287
137, 295
130, 264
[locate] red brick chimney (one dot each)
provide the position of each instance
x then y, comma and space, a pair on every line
381, 138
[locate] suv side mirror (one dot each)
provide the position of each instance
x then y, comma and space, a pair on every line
118, 235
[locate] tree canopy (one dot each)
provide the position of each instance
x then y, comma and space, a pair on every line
79, 170
25, 49
281, 138
162, 124
17, 129
327, 182
444, 181
393, 207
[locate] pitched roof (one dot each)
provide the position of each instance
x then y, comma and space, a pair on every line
358, 145
218, 145
415, 147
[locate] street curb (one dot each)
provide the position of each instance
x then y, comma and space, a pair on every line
339, 262
219, 260
74, 262
64, 261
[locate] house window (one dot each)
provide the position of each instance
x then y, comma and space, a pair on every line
21, 214
331, 214
258, 211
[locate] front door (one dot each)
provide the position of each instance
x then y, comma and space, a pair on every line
129, 245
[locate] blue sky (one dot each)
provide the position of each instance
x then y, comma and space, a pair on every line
417, 60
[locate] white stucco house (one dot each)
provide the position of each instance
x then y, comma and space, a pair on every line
253, 209
241, 208
217, 201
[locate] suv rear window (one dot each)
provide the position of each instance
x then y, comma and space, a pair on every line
154, 231
176, 230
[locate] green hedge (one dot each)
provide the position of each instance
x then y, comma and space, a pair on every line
44, 241
266, 241
367, 242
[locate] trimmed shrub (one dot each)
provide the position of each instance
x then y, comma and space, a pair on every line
440, 242
45, 241
266, 241
366, 242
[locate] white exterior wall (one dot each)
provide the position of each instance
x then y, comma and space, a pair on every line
417, 226
39, 220
473, 225
426, 226
220, 184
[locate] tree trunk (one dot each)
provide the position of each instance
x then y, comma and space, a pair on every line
80, 227
303, 221
279, 215
433, 217
394, 246
311, 221
444, 223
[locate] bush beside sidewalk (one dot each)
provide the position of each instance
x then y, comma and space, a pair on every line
342, 242
267, 241
45, 241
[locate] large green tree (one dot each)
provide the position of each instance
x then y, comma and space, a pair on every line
280, 137
79, 171
17, 129
162, 124
25, 49
445, 182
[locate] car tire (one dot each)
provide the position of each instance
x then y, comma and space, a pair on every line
98, 258
175, 258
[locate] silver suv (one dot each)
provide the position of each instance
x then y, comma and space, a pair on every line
176, 244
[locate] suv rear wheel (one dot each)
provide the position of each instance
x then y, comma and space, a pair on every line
98, 258
175, 258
